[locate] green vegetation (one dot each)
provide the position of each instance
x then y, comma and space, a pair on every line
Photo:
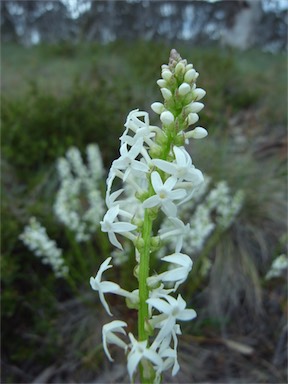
63, 95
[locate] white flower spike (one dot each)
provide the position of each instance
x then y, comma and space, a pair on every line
154, 172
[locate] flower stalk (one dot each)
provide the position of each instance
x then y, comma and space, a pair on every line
157, 175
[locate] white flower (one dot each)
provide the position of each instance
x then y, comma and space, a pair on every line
141, 129
166, 352
108, 225
182, 168
164, 194
171, 360
104, 286
140, 351
173, 310
127, 161
108, 336
180, 272
177, 231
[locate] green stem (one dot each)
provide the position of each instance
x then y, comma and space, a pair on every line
143, 313
143, 275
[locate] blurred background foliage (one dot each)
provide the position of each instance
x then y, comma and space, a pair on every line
58, 95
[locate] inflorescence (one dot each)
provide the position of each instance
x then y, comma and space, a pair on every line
156, 175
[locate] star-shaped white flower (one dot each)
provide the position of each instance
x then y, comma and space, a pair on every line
164, 194
172, 310
103, 286
183, 265
140, 351
182, 168
108, 336
140, 128
111, 227
177, 231
127, 161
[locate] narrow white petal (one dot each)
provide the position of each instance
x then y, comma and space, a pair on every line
177, 194
113, 240
153, 357
156, 181
103, 267
175, 274
180, 259
104, 303
181, 157
187, 314
109, 286
165, 166
151, 202
133, 361
169, 208
139, 166
160, 305
170, 183
123, 227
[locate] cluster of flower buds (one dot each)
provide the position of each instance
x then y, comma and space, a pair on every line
79, 204
155, 174
181, 97
36, 239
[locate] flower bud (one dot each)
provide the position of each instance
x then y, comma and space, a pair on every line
166, 74
162, 83
164, 66
190, 75
194, 107
184, 89
167, 117
188, 67
166, 93
197, 133
192, 118
157, 107
199, 93
179, 69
